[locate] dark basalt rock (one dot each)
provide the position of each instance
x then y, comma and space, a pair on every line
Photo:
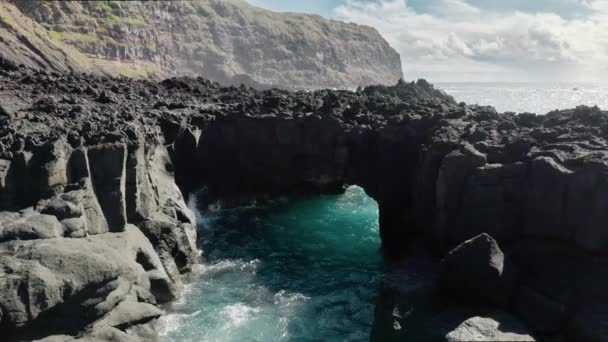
477, 272
109, 158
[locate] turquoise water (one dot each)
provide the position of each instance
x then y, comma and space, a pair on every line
293, 270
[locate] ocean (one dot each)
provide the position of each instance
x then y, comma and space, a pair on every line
539, 98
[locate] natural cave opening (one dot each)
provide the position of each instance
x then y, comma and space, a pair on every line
288, 269
242, 156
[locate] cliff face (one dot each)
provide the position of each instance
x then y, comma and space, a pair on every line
94, 230
228, 41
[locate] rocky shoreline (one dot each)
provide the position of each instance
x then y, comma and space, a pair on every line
95, 232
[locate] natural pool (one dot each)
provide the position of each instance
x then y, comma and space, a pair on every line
292, 270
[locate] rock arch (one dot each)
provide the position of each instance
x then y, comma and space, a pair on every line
447, 179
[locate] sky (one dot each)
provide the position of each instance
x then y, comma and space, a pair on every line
481, 40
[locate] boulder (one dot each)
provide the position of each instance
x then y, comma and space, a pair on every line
28, 288
29, 226
173, 243
70, 283
107, 333
59, 208
456, 323
74, 227
495, 327
124, 312
6, 217
477, 272
129, 313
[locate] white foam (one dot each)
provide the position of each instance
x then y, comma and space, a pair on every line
168, 323
226, 266
285, 298
238, 314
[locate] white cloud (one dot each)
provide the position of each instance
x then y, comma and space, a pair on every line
460, 40
565, 8
448, 8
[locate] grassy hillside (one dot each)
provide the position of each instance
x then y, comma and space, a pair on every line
218, 39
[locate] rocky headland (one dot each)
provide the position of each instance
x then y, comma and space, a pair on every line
228, 41
95, 232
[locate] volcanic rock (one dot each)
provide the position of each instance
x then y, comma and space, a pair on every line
477, 271
90, 178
